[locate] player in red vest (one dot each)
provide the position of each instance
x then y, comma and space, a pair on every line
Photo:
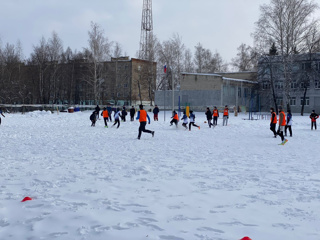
273, 122
105, 115
225, 115
142, 117
215, 114
282, 125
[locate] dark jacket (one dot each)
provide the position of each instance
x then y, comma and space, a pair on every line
314, 116
109, 110
93, 117
209, 115
132, 111
156, 110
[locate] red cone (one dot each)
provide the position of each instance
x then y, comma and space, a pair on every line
246, 238
26, 199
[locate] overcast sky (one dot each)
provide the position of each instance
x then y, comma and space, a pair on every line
220, 25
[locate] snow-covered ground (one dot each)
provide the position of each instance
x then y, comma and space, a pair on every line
102, 183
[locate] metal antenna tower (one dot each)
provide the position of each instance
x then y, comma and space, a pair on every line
146, 30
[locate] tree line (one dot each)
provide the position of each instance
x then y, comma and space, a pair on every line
51, 73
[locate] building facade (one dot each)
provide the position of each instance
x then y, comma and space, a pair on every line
294, 79
128, 81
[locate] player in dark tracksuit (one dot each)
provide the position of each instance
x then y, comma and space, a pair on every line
93, 118
314, 118
132, 113
97, 110
155, 113
209, 117
109, 108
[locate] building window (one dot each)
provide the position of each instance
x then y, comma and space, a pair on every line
293, 101
306, 66
305, 85
279, 85
246, 92
279, 101
294, 85
239, 92
266, 85
306, 103
125, 85
317, 84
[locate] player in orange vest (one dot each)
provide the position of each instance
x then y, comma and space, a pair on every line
105, 115
142, 117
215, 114
175, 119
282, 125
225, 115
273, 122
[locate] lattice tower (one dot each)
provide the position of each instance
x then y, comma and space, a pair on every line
146, 30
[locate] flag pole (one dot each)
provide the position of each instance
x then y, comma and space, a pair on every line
172, 89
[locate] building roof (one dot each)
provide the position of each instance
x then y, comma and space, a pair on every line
202, 74
224, 78
239, 80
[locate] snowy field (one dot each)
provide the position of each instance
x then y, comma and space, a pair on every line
102, 183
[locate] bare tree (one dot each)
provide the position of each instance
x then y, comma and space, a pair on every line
188, 63
309, 73
207, 62
40, 59
170, 53
55, 51
97, 52
286, 23
246, 59
117, 50
217, 64
200, 56
10, 72
269, 72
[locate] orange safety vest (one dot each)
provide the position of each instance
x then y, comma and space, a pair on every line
176, 117
215, 112
226, 112
105, 114
283, 123
275, 118
143, 116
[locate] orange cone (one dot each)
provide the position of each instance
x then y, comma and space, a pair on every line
245, 238
26, 199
